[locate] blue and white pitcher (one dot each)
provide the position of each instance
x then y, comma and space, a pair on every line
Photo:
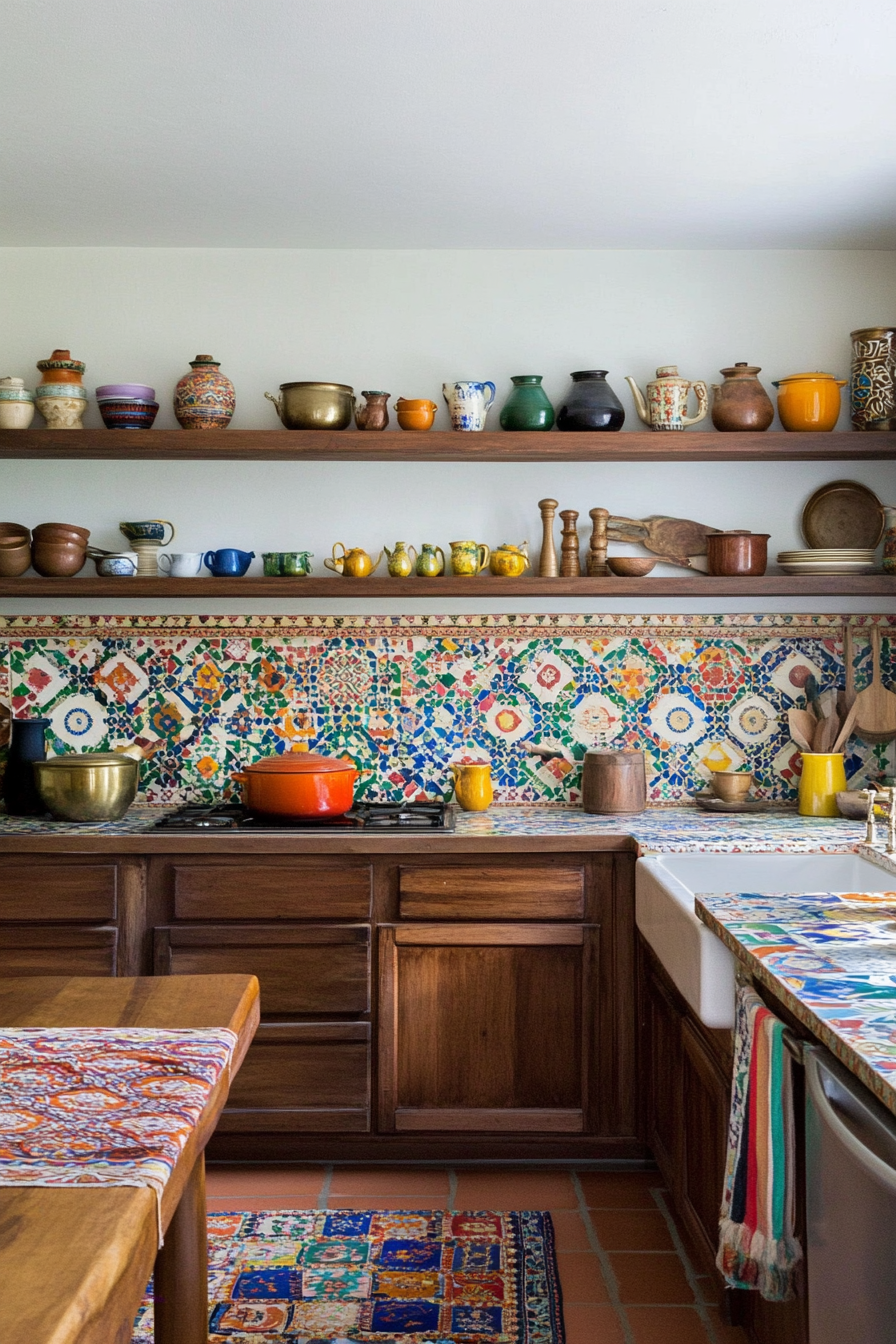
468, 403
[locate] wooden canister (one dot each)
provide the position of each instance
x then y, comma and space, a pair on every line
614, 781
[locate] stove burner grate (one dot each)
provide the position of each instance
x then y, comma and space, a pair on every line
416, 816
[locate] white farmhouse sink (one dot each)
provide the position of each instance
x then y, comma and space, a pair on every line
698, 962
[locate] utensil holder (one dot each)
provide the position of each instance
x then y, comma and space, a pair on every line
822, 778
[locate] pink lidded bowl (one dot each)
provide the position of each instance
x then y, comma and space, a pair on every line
128, 391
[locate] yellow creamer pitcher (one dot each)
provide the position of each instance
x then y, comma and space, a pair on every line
473, 785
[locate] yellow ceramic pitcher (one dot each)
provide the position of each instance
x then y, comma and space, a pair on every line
822, 778
473, 785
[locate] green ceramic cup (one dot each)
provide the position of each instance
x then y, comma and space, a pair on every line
288, 564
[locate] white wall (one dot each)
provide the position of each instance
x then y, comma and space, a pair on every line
407, 321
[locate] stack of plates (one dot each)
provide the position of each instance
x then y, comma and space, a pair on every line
831, 560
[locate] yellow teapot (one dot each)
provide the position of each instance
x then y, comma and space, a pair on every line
473, 785
510, 561
354, 564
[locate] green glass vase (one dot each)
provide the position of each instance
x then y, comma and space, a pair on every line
527, 407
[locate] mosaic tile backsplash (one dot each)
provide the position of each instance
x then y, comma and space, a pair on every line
404, 696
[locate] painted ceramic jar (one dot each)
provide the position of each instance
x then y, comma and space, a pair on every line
468, 404
400, 561
666, 405
16, 404
809, 401
527, 407
741, 402
590, 404
889, 561
204, 398
872, 383
469, 557
62, 405
61, 368
510, 562
430, 562
374, 414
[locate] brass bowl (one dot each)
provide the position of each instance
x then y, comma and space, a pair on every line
732, 786
315, 405
87, 786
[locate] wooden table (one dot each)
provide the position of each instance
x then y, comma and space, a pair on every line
74, 1263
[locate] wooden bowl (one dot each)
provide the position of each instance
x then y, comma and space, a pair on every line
630, 566
732, 786
55, 560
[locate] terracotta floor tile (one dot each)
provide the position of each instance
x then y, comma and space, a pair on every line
619, 1189
259, 1180
666, 1325
515, 1189
386, 1202
581, 1279
710, 1288
725, 1334
570, 1233
592, 1323
245, 1204
631, 1230
389, 1181
650, 1278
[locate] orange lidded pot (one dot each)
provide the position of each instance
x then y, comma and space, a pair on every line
416, 413
297, 785
809, 401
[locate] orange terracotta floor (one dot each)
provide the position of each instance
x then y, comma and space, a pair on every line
624, 1270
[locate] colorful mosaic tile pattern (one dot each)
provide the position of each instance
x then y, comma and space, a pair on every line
418, 1277
831, 958
405, 696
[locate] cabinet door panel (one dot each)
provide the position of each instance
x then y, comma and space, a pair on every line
461, 892
55, 951
706, 1097
271, 891
323, 969
664, 1058
68, 892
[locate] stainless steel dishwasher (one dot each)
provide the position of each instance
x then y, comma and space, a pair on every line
850, 1207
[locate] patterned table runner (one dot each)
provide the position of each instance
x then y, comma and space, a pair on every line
103, 1106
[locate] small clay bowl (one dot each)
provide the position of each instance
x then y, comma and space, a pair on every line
630, 566
56, 561
67, 532
14, 531
732, 786
14, 560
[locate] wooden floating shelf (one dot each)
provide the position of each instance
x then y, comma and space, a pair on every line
272, 445
685, 585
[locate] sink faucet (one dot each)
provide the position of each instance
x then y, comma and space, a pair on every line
870, 819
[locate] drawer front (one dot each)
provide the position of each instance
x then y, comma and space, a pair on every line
305, 970
50, 951
54, 892
276, 891
461, 892
303, 1077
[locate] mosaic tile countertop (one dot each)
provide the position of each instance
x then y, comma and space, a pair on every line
658, 830
831, 958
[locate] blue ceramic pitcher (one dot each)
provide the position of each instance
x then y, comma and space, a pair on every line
228, 563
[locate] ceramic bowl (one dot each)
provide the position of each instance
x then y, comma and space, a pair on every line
122, 565
57, 559
732, 786
14, 531
126, 391
16, 414
14, 559
68, 532
128, 414
630, 566
292, 564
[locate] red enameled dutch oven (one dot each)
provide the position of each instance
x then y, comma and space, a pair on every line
299, 784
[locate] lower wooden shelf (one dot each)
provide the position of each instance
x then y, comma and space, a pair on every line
684, 585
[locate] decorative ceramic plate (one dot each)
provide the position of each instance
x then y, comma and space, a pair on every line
843, 513
828, 567
710, 803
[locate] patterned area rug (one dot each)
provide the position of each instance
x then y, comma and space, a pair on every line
330, 1276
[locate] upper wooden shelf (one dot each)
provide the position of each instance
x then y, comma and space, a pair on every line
280, 445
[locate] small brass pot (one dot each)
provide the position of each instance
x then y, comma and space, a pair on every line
87, 786
315, 405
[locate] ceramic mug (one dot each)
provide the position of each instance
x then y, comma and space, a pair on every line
228, 562
181, 565
469, 557
822, 778
152, 529
120, 566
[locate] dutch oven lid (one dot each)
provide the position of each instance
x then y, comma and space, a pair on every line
298, 763
88, 759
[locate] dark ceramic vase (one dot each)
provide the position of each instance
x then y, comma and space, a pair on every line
26, 745
590, 404
528, 406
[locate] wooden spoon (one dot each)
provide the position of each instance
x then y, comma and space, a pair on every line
876, 706
802, 727
845, 731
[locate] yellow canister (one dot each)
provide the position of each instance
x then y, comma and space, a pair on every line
822, 779
809, 401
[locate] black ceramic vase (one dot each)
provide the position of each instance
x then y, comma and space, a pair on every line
26, 745
590, 403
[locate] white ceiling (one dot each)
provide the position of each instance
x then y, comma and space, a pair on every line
475, 123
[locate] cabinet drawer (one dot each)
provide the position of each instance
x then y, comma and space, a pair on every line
311, 969
53, 892
49, 951
301, 1077
275, 891
460, 892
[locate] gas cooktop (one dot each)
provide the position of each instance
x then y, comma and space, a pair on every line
425, 816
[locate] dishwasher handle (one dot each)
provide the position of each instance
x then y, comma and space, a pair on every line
863, 1156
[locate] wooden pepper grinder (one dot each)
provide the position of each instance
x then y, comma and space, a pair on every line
597, 554
547, 564
570, 567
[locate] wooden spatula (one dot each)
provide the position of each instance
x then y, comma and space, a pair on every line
876, 706
802, 727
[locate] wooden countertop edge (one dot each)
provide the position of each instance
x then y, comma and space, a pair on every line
174, 843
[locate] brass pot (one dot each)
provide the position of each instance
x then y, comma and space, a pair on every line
87, 786
315, 405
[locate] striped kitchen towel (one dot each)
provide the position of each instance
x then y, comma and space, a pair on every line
757, 1247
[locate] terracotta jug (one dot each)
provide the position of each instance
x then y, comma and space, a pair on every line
473, 785
741, 402
374, 414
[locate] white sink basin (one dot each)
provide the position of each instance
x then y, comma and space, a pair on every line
698, 962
